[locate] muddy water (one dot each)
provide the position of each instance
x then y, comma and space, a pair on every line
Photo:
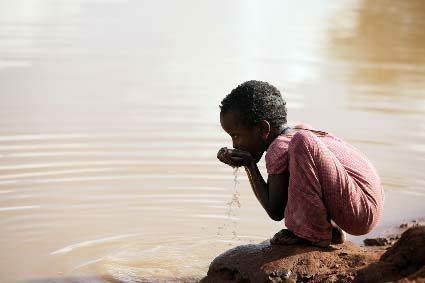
109, 123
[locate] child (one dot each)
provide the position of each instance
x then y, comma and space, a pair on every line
313, 177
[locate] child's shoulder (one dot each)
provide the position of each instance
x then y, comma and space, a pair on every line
303, 125
308, 127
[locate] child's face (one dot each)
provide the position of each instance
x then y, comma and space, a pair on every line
244, 138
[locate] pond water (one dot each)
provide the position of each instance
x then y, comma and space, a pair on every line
110, 124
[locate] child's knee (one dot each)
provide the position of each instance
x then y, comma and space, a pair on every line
359, 230
359, 227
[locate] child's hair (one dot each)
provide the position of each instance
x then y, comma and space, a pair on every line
255, 101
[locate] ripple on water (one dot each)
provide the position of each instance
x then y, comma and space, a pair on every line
164, 262
90, 243
14, 208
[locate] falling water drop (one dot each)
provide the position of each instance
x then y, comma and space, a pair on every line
232, 206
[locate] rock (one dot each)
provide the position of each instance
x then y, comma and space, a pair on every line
376, 242
405, 259
419, 275
402, 262
297, 263
413, 223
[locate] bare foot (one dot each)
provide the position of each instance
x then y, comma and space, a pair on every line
338, 236
286, 237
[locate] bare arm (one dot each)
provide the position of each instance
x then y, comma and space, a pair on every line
272, 195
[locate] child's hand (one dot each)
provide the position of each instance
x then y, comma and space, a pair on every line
234, 157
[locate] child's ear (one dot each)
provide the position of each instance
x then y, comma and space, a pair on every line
265, 129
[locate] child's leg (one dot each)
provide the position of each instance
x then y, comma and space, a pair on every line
320, 190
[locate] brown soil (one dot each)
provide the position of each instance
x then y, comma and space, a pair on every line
402, 262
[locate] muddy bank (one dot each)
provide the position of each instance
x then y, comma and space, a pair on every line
404, 261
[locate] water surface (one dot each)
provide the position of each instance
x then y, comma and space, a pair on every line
109, 123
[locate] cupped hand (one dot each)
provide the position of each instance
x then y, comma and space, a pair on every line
234, 157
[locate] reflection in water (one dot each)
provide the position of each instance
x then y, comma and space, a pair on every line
385, 42
378, 55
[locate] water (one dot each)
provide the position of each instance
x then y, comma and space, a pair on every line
235, 202
110, 125
233, 205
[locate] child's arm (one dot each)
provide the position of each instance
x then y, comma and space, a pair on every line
272, 195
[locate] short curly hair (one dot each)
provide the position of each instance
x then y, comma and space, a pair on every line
256, 101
